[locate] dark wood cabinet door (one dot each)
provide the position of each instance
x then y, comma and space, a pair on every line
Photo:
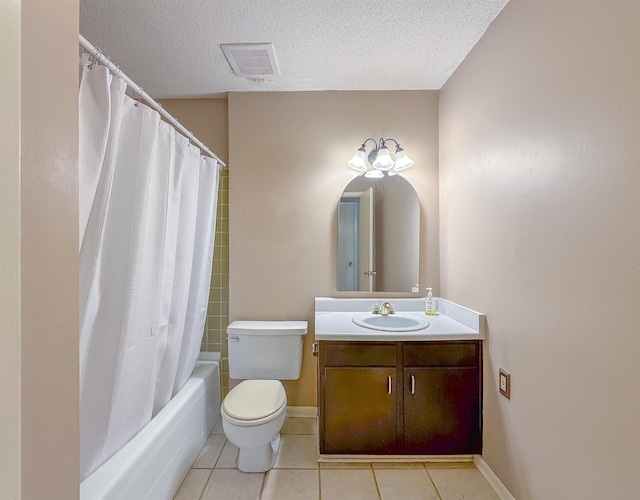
442, 410
360, 410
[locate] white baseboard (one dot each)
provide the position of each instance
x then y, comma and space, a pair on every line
302, 411
493, 480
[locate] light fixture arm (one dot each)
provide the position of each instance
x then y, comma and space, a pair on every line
378, 144
370, 139
382, 141
371, 156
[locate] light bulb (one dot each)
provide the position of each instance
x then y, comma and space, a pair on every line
374, 174
358, 161
402, 160
383, 159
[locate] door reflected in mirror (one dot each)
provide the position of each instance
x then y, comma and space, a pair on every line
378, 235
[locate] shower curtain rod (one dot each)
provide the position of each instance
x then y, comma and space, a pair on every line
139, 91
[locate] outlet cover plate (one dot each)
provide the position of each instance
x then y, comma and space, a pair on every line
505, 383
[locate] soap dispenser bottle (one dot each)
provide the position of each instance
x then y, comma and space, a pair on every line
430, 306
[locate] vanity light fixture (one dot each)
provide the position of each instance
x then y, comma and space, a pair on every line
380, 159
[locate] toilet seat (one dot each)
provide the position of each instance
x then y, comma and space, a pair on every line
253, 402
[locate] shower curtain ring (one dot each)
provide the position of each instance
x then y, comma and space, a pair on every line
91, 59
97, 56
139, 96
85, 60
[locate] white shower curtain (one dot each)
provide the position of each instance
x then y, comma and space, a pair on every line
147, 219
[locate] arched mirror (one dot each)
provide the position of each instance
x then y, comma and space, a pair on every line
378, 235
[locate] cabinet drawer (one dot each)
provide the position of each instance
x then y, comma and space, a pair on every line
441, 354
359, 354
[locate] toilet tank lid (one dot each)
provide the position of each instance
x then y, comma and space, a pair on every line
268, 328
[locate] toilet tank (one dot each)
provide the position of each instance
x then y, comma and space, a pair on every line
265, 349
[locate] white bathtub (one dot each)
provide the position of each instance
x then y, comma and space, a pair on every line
153, 464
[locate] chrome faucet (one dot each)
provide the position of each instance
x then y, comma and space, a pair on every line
386, 309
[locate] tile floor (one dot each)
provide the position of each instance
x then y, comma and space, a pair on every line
297, 475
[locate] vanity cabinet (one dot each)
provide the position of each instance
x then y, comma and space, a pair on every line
420, 398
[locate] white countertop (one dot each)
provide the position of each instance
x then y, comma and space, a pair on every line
333, 321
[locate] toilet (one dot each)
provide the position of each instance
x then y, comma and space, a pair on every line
261, 353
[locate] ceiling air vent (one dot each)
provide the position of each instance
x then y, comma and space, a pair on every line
251, 60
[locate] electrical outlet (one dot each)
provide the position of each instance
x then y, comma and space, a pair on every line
505, 383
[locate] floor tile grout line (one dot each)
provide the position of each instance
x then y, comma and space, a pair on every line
432, 481
205, 484
319, 483
262, 484
220, 454
375, 481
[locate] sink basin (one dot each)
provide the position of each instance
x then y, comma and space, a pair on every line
391, 323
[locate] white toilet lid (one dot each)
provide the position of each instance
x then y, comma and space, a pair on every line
254, 399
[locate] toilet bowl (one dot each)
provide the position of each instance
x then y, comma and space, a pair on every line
261, 353
252, 415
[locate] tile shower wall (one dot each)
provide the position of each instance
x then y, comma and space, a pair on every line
214, 338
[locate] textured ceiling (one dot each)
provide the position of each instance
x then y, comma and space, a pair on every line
172, 47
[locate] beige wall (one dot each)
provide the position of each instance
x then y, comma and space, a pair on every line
540, 204
10, 250
206, 118
38, 261
49, 250
287, 155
